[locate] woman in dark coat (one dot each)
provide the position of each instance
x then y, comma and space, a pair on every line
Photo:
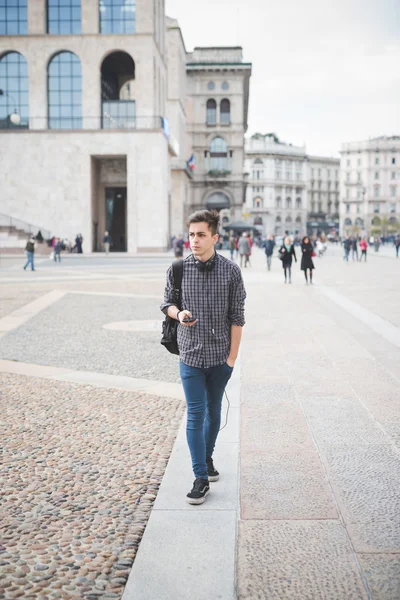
286, 252
306, 257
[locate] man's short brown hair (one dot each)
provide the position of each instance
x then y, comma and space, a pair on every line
211, 217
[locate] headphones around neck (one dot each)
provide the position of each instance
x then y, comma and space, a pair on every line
205, 266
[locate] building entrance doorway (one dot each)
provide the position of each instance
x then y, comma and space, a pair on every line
115, 198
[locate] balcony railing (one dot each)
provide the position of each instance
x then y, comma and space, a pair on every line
83, 123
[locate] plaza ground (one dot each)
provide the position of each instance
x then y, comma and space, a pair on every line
308, 502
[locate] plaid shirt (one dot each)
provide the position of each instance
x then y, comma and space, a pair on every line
216, 298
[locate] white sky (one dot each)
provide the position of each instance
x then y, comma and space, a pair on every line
324, 71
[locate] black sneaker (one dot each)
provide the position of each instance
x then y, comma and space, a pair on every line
200, 490
213, 474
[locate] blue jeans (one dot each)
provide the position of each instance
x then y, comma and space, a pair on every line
30, 260
204, 389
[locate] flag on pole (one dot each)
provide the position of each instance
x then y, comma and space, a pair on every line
191, 163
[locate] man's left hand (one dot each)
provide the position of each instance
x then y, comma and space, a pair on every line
231, 361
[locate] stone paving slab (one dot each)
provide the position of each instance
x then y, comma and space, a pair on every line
185, 554
382, 573
296, 560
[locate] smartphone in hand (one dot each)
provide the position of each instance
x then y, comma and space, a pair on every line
189, 319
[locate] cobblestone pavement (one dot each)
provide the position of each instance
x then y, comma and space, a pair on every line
81, 465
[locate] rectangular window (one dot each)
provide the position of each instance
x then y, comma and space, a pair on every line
288, 175
393, 208
393, 161
347, 208
13, 17
376, 174
117, 16
277, 175
63, 16
358, 209
358, 162
393, 190
348, 193
377, 191
377, 160
393, 175
376, 208
347, 176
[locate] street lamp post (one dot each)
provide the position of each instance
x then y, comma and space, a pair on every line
15, 118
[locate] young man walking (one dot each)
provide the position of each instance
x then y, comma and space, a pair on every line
211, 319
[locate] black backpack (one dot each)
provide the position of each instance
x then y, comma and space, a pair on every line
169, 337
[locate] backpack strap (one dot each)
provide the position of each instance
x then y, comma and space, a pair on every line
177, 271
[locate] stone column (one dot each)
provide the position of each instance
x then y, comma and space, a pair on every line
37, 11
90, 17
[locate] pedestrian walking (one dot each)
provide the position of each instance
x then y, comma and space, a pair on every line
286, 255
30, 253
397, 245
106, 242
211, 318
244, 249
377, 243
178, 245
269, 250
57, 250
307, 252
78, 243
364, 248
354, 248
232, 246
346, 247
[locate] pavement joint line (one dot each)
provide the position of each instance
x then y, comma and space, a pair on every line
25, 313
139, 585
116, 294
147, 386
384, 328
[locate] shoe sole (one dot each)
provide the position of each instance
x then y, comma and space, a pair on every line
213, 477
198, 500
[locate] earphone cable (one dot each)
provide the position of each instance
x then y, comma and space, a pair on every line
227, 412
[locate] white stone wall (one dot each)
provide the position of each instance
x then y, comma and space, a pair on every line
46, 180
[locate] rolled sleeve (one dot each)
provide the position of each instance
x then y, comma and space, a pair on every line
168, 293
237, 296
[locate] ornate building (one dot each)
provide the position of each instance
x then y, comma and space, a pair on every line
288, 190
370, 189
218, 90
276, 190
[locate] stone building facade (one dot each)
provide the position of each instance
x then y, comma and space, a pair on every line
102, 90
218, 98
289, 190
276, 190
323, 192
370, 187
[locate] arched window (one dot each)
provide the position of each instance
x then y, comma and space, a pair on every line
375, 221
117, 91
65, 92
218, 155
288, 219
278, 202
278, 219
258, 202
211, 116
13, 17
258, 221
298, 203
288, 203
225, 111
14, 84
63, 16
347, 222
298, 219
218, 201
360, 222
117, 16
